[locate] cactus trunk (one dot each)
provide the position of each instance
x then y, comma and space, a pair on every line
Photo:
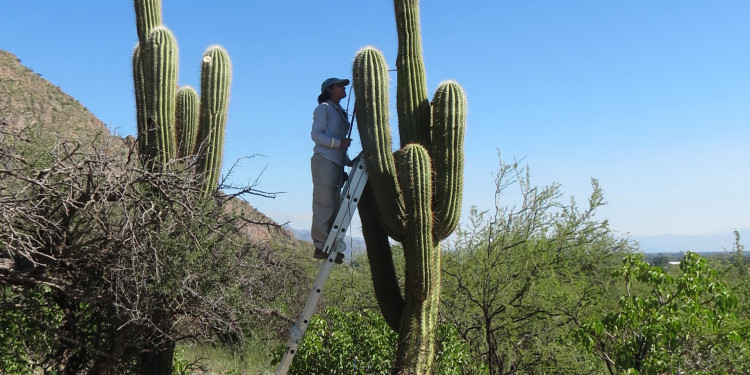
162, 112
417, 330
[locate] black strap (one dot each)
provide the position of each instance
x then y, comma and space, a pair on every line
341, 112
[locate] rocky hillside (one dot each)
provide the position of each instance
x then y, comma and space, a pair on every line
27, 99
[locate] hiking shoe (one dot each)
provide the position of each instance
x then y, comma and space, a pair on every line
320, 254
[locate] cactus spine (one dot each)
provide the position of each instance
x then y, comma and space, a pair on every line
139, 83
167, 118
186, 124
414, 195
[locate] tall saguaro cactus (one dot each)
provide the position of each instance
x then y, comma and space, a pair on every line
167, 117
414, 194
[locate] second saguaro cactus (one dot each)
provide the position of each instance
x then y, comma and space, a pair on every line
174, 123
414, 195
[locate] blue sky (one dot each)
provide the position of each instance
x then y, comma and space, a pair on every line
650, 97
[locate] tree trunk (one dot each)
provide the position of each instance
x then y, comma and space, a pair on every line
158, 362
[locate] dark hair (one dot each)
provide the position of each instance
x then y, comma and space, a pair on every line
324, 96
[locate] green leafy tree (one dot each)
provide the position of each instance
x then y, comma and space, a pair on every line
682, 324
517, 279
739, 258
737, 276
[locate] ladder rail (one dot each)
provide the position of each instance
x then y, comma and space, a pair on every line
334, 244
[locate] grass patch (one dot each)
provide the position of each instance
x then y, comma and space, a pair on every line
254, 358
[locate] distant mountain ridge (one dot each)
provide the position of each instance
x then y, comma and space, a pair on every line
671, 243
355, 244
666, 243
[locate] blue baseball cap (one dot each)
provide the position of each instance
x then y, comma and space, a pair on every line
332, 81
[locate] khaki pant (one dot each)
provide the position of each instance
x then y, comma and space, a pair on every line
328, 178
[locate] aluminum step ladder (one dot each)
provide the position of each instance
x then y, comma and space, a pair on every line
350, 195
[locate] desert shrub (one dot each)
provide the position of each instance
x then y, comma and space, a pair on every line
360, 342
103, 262
664, 324
517, 278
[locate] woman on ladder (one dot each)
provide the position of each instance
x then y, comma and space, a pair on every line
329, 132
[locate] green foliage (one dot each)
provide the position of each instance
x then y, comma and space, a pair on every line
252, 356
350, 288
518, 278
360, 342
346, 343
736, 274
686, 323
22, 342
740, 260
181, 366
453, 355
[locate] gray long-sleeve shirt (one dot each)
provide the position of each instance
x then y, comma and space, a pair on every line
329, 127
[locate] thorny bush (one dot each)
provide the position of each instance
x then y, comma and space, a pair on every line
101, 259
